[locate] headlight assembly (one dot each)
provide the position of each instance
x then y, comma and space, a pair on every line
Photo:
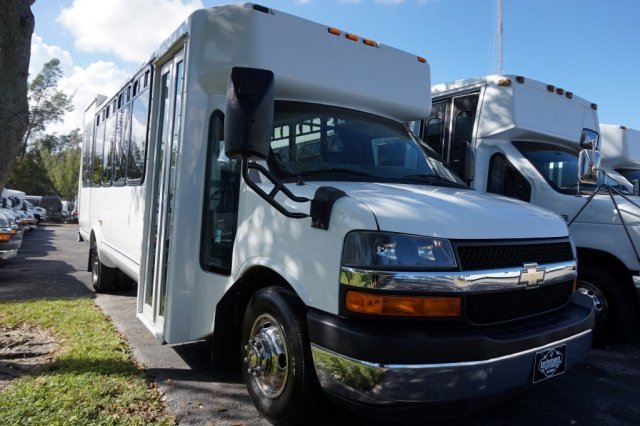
383, 250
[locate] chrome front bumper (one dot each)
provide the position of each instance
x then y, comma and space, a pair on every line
382, 385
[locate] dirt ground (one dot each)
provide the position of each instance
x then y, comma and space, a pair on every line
23, 349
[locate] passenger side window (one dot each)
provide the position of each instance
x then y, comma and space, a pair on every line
97, 153
433, 135
138, 140
504, 179
221, 197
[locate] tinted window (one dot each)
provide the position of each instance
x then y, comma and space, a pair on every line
86, 153
463, 122
630, 174
109, 142
435, 130
504, 179
138, 142
97, 155
222, 188
121, 145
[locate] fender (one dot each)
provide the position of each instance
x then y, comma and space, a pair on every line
287, 274
103, 254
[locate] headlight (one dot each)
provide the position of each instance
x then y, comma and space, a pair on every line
369, 249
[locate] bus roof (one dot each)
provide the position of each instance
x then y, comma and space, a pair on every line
311, 62
526, 108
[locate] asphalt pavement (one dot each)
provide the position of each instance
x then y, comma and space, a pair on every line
603, 390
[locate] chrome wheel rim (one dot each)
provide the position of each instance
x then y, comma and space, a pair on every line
95, 261
596, 296
265, 356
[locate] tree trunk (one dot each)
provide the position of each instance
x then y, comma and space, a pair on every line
16, 27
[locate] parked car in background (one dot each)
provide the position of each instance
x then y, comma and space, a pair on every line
14, 219
53, 205
9, 242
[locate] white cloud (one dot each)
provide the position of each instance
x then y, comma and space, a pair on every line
99, 78
390, 2
41, 53
83, 83
130, 29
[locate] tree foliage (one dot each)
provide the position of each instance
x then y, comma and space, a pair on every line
62, 164
16, 27
47, 103
48, 163
30, 176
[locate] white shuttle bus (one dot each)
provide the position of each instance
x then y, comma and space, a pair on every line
257, 179
620, 149
521, 138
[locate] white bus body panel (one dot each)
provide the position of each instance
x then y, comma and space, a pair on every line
309, 65
114, 215
619, 146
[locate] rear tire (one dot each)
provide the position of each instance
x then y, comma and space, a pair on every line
277, 365
614, 311
103, 278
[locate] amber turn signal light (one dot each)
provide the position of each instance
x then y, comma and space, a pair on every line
403, 306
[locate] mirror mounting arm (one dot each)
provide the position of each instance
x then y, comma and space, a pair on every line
277, 187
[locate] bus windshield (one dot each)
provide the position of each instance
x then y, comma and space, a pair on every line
559, 166
318, 142
630, 174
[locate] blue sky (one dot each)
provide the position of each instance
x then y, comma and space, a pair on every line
589, 47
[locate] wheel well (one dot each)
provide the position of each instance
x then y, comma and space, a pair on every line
611, 264
230, 313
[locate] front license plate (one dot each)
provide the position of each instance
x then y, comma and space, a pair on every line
549, 363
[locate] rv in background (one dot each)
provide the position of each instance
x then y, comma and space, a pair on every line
17, 200
521, 138
270, 196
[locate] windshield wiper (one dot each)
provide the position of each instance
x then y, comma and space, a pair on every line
434, 179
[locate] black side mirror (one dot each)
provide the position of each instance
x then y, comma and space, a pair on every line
248, 119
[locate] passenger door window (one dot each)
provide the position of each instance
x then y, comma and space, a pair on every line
221, 198
504, 179
464, 110
434, 132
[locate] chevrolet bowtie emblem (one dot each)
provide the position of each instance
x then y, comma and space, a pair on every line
531, 275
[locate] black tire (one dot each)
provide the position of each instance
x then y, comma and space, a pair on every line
279, 372
103, 278
614, 311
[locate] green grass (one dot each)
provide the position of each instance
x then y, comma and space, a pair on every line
92, 381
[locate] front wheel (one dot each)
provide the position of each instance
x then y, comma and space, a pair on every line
277, 365
614, 311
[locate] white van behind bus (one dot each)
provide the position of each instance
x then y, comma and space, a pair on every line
521, 138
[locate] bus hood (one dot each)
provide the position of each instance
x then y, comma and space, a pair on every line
452, 213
